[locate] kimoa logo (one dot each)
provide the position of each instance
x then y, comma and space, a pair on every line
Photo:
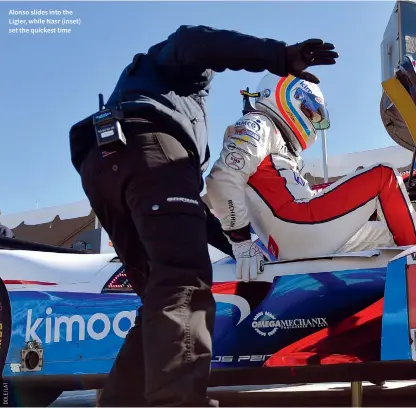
48, 329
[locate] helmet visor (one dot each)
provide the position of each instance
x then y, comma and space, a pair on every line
314, 108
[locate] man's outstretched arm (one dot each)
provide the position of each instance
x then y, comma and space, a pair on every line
206, 48
209, 48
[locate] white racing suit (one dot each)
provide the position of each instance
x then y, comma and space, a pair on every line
257, 181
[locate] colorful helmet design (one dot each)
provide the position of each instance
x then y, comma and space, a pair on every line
296, 106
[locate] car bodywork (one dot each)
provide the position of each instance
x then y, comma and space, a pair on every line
68, 306
74, 310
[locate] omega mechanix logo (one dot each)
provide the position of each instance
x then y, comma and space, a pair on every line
266, 324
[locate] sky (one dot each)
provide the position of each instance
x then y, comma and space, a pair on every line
50, 81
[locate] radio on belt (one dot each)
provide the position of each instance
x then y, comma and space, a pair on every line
107, 124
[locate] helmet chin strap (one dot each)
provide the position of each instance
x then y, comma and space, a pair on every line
283, 128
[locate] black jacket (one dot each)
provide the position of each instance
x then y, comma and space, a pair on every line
173, 79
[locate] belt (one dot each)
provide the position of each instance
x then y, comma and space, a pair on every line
137, 120
150, 121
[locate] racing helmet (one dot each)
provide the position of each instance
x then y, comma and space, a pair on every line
296, 106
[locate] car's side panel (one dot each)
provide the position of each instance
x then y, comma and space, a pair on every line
295, 308
79, 332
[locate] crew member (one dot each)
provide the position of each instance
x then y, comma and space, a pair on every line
145, 190
258, 180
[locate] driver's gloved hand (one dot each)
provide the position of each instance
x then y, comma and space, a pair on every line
306, 54
250, 257
250, 260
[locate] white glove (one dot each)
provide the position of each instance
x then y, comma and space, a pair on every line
250, 260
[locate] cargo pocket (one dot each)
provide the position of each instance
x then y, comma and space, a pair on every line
171, 217
174, 234
175, 205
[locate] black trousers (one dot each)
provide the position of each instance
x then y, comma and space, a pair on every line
146, 196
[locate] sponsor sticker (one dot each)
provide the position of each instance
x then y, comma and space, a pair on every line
75, 328
238, 359
266, 93
246, 132
235, 161
250, 124
266, 324
305, 87
233, 146
243, 139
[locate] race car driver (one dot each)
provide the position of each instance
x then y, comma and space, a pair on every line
257, 180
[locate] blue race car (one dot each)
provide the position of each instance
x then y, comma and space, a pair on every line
64, 317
